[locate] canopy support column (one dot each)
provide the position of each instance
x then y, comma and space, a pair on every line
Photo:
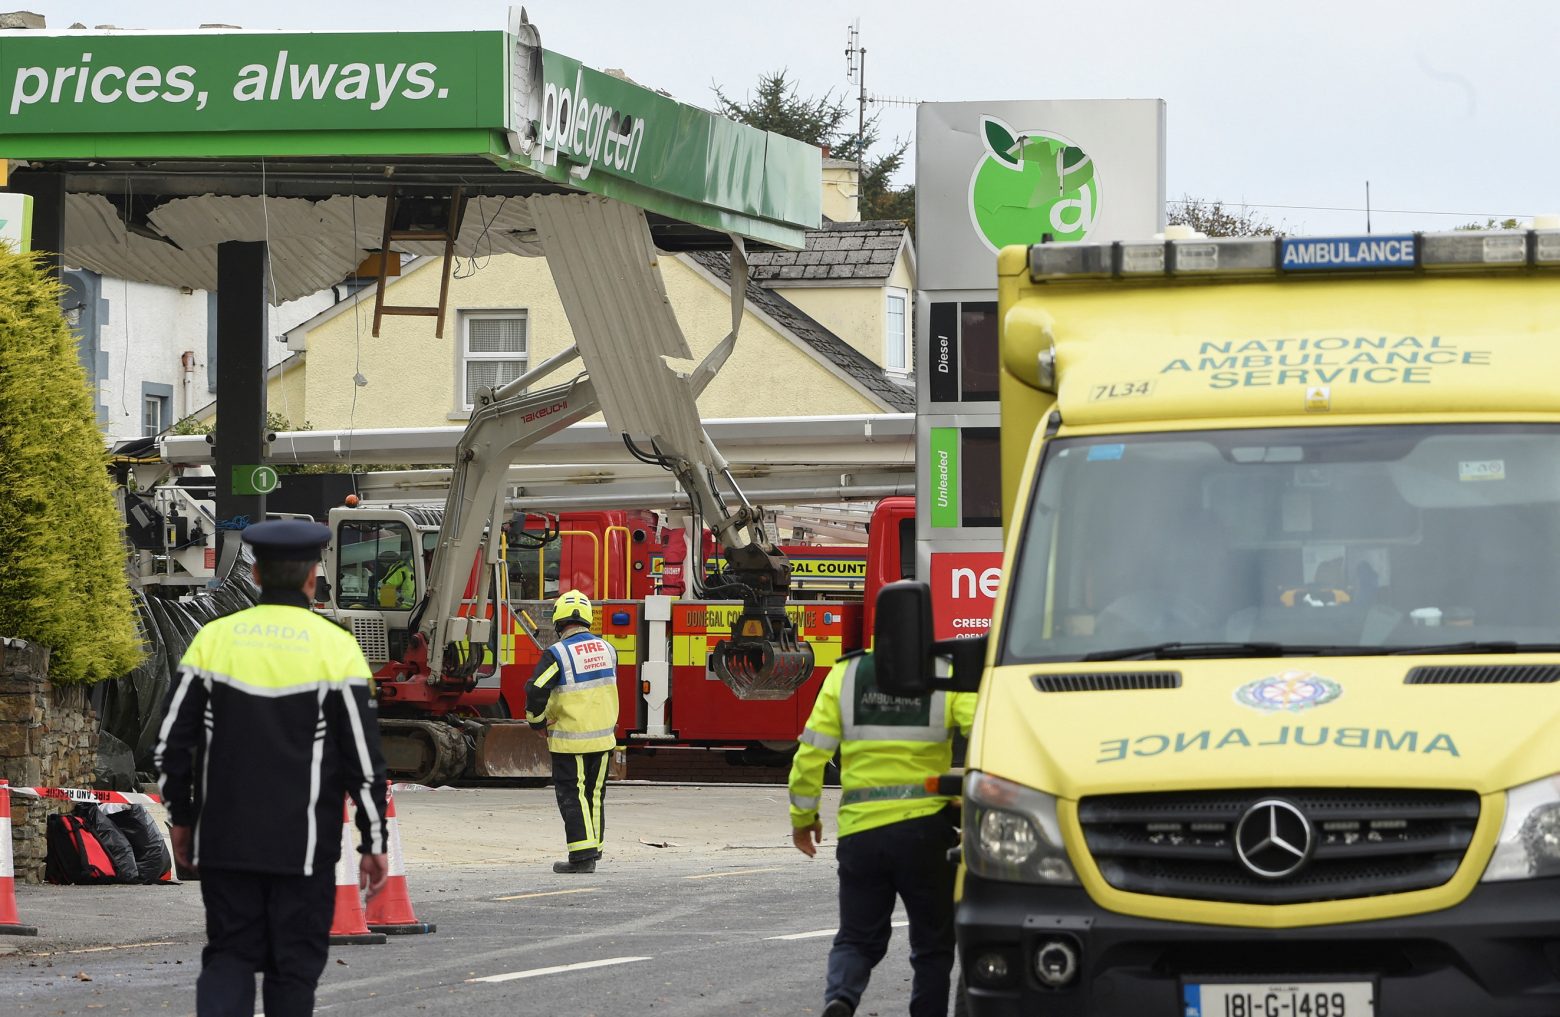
48, 216
242, 327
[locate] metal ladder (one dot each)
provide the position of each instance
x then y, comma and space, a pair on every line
391, 234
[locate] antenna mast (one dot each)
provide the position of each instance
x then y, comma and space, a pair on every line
856, 74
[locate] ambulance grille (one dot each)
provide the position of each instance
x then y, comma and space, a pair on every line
1485, 674
1364, 843
1108, 681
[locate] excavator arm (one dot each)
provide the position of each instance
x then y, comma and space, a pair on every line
605, 267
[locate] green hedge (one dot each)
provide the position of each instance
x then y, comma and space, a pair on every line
62, 556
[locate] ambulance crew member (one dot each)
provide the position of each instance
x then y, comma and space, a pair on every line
268, 724
573, 695
894, 834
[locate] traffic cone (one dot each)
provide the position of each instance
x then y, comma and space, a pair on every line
348, 927
391, 911
10, 922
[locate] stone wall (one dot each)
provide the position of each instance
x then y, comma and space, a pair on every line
48, 738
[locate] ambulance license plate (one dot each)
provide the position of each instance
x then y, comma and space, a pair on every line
1279, 999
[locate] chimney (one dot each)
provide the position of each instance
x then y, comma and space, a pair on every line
841, 189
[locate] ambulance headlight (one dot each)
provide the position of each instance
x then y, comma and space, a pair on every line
1012, 833
1529, 844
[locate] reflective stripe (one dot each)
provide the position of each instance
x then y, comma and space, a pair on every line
593, 683
567, 735
581, 845
547, 676
936, 729
889, 793
805, 803
819, 740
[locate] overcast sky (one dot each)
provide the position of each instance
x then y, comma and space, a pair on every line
1449, 109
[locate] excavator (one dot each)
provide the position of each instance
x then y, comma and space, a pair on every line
434, 650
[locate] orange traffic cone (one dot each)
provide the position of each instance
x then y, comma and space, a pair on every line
348, 927
10, 922
391, 911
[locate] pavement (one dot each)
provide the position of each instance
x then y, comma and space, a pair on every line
700, 906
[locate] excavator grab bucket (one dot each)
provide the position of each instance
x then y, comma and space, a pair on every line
763, 659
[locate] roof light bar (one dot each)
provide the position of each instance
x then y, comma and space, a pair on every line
1202, 256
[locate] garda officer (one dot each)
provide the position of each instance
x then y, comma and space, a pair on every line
894, 833
573, 695
267, 724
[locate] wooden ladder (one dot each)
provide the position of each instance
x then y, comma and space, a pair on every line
391, 234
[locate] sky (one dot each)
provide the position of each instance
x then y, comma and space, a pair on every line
1448, 109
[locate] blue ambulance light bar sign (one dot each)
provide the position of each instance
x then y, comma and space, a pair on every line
1329, 254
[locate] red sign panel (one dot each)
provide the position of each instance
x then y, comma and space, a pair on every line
964, 592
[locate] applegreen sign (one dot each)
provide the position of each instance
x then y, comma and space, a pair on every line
1028, 184
496, 96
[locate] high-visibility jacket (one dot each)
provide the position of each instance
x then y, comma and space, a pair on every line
574, 694
399, 586
267, 723
888, 745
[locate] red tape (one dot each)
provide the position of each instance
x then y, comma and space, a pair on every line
83, 794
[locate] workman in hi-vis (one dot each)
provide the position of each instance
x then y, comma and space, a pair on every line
894, 834
573, 695
269, 723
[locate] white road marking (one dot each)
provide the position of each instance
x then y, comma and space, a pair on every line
537, 972
104, 949
819, 933
549, 893
734, 872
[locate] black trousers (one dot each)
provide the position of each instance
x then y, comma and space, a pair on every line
910, 860
277, 925
580, 781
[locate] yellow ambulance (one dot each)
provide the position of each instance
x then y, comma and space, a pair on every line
1269, 718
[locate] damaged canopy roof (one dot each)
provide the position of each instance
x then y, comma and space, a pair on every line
171, 143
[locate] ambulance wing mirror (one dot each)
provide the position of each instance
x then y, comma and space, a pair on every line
908, 661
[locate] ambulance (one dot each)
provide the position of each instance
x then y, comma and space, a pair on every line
1269, 718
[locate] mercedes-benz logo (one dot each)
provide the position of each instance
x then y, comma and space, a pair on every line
1273, 839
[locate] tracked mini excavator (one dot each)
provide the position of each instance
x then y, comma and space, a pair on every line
604, 264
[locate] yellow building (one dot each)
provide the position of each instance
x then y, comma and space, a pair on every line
826, 330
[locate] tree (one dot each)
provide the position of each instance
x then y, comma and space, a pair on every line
1213, 219
62, 555
776, 105
1491, 224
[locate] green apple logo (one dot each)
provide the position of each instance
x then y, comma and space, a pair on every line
1030, 184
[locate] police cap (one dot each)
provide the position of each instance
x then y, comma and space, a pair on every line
287, 539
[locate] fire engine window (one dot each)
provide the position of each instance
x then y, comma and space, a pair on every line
907, 548
533, 565
374, 567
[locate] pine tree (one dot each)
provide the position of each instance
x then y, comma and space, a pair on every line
62, 557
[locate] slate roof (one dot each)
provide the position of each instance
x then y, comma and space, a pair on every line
841, 250
831, 347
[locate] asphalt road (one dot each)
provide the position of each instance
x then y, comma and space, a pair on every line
711, 925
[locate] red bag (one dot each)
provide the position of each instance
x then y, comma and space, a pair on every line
75, 855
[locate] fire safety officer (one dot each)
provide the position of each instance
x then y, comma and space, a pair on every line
894, 834
269, 723
573, 696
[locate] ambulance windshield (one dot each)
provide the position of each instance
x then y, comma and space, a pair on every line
1314, 539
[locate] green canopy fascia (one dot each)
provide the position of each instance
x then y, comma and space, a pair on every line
79, 97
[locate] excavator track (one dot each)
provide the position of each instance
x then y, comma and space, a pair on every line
431, 752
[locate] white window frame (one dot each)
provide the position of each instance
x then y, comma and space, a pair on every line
463, 354
148, 403
903, 339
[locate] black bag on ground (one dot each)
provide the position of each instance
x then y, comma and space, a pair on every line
146, 842
113, 840
74, 854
